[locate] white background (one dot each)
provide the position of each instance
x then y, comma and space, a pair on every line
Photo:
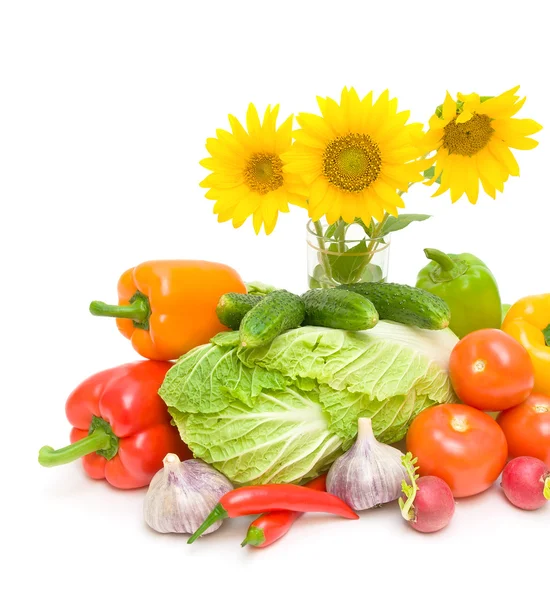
104, 111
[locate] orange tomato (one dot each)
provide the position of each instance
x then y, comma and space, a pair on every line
461, 445
491, 371
527, 428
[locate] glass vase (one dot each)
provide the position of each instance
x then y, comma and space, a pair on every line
342, 254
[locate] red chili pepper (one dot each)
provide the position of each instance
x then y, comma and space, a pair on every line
121, 426
270, 527
274, 496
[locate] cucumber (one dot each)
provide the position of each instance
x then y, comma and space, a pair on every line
273, 315
405, 304
233, 307
339, 309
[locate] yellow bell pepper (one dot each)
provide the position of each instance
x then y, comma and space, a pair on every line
528, 321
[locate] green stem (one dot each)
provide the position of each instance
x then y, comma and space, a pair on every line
217, 514
138, 310
443, 260
546, 334
447, 269
96, 441
340, 236
546, 490
254, 537
376, 234
407, 508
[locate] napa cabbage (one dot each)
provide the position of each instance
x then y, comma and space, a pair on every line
284, 412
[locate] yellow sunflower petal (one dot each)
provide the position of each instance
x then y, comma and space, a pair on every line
489, 189
253, 121
318, 190
269, 214
304, 137
354, 111
510, 128
449, 108
503, 155
371, 207
257, 221
457, 168
335, 117
490, 170
388, 195
238, 131
471, 183
283, 137
444, 185
323, 203
335, 211
464, 116
315, 125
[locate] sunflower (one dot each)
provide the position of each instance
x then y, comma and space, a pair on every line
247, 170
354, 158
473, 137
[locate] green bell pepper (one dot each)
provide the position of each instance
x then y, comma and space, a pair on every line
468, 287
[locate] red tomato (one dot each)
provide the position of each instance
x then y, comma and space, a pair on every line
527, 428
461, 445
491, 371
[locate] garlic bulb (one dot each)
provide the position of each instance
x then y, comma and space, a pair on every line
369, 473
182, 495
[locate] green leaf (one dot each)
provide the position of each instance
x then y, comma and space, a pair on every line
372, 273
347, 266
396, 223
429, 173
257, 288
319, 279
331, 230
485, 98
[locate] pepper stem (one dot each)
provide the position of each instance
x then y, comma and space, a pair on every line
448, 268
254, 537
546, 490
98, 440
546, 334
217, 514
407, 508
443, 260
138, 310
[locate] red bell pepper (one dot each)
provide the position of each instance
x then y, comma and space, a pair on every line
121, 426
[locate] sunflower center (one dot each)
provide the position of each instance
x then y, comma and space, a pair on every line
352, 162
467, 138
264, 172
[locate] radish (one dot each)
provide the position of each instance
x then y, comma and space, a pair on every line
427, 503
526, 482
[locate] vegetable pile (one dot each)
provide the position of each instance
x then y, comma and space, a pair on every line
256, 401
313, 390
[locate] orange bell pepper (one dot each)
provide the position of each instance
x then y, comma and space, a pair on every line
528, 321
168, 307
